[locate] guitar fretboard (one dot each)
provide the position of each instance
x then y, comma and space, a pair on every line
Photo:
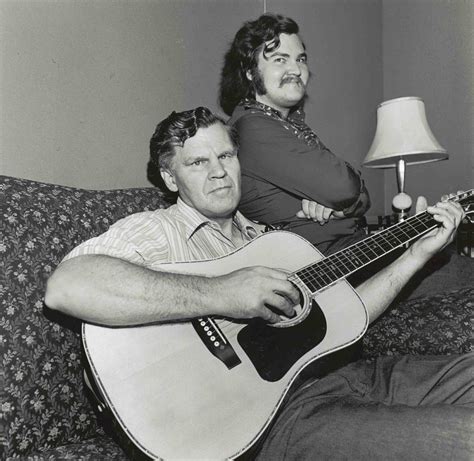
345, 262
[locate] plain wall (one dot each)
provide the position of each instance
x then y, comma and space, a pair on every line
84, 83
428, 52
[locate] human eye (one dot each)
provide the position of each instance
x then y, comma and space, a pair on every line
226, 155
303, 59
279, 60
197, 162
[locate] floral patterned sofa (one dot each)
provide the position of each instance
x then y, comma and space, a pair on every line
45, 414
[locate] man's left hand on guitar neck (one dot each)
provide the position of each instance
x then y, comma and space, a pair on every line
382, 288
449, 214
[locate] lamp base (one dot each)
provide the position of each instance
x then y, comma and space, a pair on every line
402, 203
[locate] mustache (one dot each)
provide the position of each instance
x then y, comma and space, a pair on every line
290, 79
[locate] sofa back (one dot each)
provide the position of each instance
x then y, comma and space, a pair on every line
43, 402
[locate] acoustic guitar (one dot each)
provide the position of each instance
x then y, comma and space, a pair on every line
210, 388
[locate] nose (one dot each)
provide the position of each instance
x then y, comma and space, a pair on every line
294, 68
216, 169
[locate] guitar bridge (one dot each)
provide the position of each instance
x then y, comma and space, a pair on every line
215, 341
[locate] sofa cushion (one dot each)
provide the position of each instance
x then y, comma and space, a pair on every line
97, 448
433, 325
43, 403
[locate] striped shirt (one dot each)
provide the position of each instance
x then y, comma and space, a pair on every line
176, 234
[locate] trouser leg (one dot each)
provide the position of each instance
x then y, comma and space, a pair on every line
413, 408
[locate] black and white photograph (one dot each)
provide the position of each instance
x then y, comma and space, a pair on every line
236, 230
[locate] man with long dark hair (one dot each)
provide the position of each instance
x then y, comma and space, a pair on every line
289, 178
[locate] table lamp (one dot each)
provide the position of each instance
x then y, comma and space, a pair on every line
402, 137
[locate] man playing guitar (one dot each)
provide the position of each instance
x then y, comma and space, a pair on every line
415, 407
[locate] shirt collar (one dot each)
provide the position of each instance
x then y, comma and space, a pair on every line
296, 114
193, 220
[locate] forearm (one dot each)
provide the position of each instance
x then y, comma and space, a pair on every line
110, 291
380, 290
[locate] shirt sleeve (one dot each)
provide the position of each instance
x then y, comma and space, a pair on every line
136, 239
271, 152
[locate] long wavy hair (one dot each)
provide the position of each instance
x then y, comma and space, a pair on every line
173, 131
242, 56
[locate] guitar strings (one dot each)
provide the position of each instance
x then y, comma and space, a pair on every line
346, 261
339, 265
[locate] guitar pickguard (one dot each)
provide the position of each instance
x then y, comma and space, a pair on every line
273, 351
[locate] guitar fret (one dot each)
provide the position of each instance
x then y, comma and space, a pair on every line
361, 255
348, 266
402, 231
336, 270
311, 281
418, 229
354, 259
369, 248
339, 265
320, 274
326, 265
374, 246
315, 285
347, 261
408, 226
324, 276
342, 259
384, 243
425, 225
391, 238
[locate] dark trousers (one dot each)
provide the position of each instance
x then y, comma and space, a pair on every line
409, 408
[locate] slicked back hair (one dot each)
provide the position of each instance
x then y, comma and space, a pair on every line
242, 56
173, 131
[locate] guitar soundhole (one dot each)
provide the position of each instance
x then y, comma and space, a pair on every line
300, 315
273, 351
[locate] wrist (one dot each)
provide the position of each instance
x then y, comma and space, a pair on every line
218, 291
417, 256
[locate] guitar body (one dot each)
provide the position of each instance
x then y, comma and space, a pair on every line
177, 400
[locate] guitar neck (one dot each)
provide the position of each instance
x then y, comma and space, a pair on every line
343, 263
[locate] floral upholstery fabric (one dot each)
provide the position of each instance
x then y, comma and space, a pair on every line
98, 448
43, 403
436, 325
44, 413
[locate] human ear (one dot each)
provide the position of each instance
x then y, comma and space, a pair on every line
169, 180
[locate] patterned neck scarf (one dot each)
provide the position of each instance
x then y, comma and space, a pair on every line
294, 123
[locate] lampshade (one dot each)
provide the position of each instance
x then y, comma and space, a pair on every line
403, 133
